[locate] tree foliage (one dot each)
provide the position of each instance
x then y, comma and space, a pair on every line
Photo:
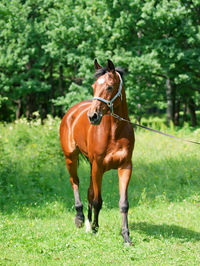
47, 48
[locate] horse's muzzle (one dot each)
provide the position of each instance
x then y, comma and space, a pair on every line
95, 118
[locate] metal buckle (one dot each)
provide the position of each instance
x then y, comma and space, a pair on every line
109, 104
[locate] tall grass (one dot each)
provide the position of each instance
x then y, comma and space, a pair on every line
32, 167
37, 205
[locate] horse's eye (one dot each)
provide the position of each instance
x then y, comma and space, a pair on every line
109, 88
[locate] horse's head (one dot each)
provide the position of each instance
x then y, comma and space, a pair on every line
107, 91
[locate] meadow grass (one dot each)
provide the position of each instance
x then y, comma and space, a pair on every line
37, 205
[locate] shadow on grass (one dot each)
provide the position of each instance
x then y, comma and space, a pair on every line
165, 231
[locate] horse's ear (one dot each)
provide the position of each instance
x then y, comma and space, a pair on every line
96, 65
110, 66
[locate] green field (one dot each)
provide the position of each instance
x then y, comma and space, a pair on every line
37, 207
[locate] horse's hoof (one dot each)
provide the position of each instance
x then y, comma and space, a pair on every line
127, 239
79, 221
95, 229
128, 242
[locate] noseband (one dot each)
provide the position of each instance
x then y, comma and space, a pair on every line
110, 103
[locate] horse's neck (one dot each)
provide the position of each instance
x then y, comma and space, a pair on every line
122, 111
122, 108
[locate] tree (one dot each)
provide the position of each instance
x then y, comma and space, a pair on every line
47, 50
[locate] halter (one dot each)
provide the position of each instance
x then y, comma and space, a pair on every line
110, 103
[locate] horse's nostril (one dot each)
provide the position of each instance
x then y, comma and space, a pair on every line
95, 116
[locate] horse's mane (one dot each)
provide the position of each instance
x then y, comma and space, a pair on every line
104, 70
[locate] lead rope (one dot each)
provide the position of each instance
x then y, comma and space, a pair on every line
110, 105
151, 129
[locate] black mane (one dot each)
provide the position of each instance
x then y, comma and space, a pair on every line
104, 70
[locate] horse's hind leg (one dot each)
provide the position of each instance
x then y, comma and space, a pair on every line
72, 163
90, 199
97, 175
124, 174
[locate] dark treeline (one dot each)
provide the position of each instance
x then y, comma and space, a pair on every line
47, 48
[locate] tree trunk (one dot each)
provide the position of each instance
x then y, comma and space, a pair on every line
185, 111
176, 113
61, 80
61, 88
43, 113
30, 105
170, 108
18, 109
191, 108
139, 113
52, 87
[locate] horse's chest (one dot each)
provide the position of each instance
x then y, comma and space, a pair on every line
115, 157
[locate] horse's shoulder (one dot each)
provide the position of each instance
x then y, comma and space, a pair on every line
79, 106
76, 109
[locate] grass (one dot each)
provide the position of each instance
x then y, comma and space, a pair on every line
37, 205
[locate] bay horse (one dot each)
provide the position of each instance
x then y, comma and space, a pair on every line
92, 127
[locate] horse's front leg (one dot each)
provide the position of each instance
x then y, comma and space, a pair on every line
97, 175
124, 173
71, 162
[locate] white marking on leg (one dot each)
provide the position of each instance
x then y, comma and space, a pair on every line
87, 226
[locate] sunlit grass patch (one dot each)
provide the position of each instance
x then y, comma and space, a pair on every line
37, 206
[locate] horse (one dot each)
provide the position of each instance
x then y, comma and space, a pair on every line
93, 128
